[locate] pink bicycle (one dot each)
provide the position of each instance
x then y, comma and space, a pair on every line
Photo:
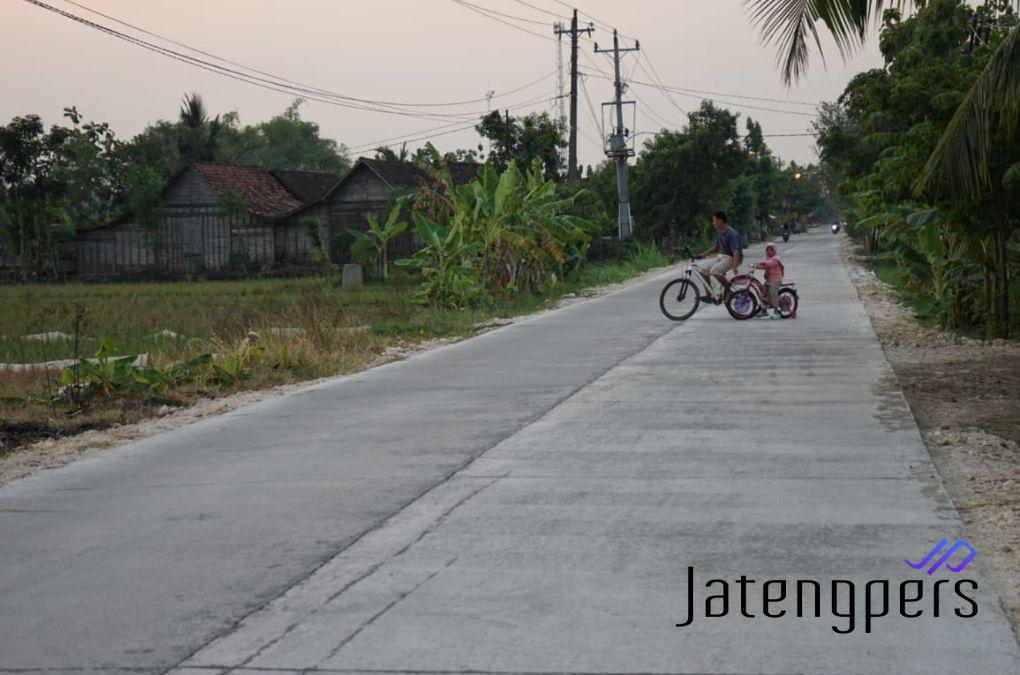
748, 297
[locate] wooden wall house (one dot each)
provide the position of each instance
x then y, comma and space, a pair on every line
228, 219
368, 189
215, 218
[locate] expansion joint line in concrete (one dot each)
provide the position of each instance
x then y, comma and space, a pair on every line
381, 522
388, 607
369, 572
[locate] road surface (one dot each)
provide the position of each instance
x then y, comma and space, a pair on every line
526, 501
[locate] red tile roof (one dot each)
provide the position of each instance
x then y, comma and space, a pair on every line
262, 193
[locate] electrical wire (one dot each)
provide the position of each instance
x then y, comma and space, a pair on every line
742, 96
415, 139
305, 88
406, 138
658, 118
540, 9
684, 89
402, 137
502, 14
269, 84
746, 106
593, 19
595, 117
654, 75
487, 14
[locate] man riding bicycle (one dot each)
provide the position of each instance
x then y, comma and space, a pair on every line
729, 250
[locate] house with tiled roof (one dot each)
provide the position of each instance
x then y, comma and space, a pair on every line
213, 218
368, 188
223, 218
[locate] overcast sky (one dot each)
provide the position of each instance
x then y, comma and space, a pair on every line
408, 51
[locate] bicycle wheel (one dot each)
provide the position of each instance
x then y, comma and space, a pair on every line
742, 305
679, 300
788, 303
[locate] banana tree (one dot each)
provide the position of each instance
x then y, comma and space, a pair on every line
379, 237
443, 260
521, 221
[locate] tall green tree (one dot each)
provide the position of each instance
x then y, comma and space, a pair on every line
680, 177
989, 110
53, 183
881, 136
523, 140
287, 141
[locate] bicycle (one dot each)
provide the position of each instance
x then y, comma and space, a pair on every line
748, 295
682, 297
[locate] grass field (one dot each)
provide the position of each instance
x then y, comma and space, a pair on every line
304, 328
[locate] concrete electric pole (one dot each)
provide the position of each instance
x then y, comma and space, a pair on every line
573, 171
619, 149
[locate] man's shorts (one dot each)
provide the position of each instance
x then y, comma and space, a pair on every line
721, 265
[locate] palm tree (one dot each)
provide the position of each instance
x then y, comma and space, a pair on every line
198, 136
960, 161
387, 154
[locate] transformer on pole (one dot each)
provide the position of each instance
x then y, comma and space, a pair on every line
619, 148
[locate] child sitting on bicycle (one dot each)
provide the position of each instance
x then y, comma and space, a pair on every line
774, 271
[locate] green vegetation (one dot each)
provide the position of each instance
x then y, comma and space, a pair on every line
509, 242
496, 236
214, 337
373, 245
682, 177
58, 181
885, 140
524, 140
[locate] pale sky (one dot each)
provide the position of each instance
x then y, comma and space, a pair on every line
407, 51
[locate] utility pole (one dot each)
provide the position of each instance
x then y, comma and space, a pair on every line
561, 86
619, 150
574, 32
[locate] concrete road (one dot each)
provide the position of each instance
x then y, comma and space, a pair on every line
527, 501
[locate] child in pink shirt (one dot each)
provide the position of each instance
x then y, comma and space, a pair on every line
774, 271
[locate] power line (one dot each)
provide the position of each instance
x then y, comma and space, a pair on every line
746, 106
591, 110
305, 88
406, 138
593, 19
681, 91
655, 77
269, 84
750, 98
684, 89
487, 13
540, 9
502, 14
412, 140
661, 119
